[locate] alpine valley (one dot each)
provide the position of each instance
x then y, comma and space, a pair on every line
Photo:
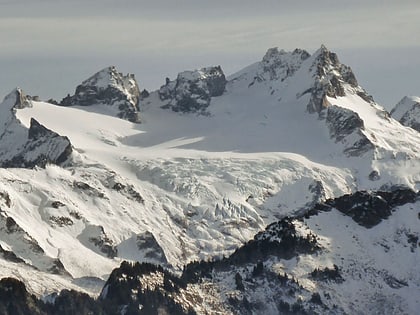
281, 189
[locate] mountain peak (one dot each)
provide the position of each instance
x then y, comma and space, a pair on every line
279, 64
322, 85
326, 58
108, 76
332, 79
16, 99
112, 88
321, 50
327, 75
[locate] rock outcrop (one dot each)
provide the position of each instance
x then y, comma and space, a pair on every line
407, 112
192, 91
109, 87
343, 122
322, 78
369, 208
330, 78
279, 64
147, 243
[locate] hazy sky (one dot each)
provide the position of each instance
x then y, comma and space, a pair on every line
47, 47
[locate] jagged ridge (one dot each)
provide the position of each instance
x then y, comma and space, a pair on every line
109, 87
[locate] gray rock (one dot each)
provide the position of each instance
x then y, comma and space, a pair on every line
192, 91
360, 147
147, 243
330, 77
407, 112
279, 64
22, 100
43, 147
343, 122
111, 88
23, 147
57, 148
95, 238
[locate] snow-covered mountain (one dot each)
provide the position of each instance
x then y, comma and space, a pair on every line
214, 161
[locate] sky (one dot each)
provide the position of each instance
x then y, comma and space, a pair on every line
47, 47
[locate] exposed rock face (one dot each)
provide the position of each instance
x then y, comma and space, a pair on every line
369, 208
343, 122
279, 64
95, 238
109, 87
333, 79
147, 243
22, 147
330, 77
47, 145
192, 91
21, 99
43, 147
407, 112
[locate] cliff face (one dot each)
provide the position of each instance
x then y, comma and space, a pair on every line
407, 112
109, 87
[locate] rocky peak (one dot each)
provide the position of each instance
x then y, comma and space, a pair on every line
36, 130
331, 78
279, 64
193, 90
407, 112
28, 147
22, 100
112, 88
16, 99
325, 60
328, 75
